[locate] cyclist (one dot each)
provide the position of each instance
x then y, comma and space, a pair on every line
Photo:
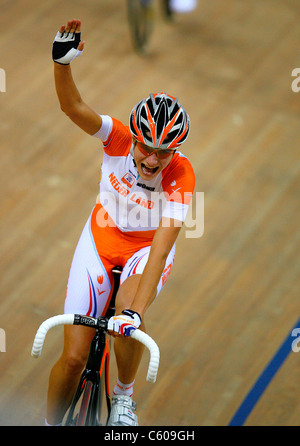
145, 189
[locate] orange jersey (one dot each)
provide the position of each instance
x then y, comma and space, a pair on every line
136, 205
122, 225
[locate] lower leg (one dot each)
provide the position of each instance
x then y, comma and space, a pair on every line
128, 351
128, 357
65, 374
62, 385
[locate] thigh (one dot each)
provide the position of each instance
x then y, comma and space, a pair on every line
90, 279
127, 292
134, 267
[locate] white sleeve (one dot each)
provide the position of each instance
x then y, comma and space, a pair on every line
175, 210
105, 129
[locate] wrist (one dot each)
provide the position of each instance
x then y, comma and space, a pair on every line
132, 313
61, 64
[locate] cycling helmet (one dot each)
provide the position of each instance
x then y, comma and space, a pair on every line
159, 121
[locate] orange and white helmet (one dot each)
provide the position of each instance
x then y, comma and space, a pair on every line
159, 121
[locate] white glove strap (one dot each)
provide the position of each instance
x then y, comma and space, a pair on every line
71, 55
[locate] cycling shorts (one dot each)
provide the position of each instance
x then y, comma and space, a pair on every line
99, 249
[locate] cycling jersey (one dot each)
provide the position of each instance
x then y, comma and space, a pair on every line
133, 203
122, 224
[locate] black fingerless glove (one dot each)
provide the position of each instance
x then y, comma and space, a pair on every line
64, 48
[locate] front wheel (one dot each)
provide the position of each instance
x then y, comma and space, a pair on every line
166, 10
78, 413
140, 18
82, 419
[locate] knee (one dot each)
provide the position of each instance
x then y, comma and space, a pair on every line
123, 301
122, 304
73, 361
126, 293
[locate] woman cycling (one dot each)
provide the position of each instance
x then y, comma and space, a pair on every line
145, 189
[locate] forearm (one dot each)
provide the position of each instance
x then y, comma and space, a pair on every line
67, 92
147, 288
163, 241
71, 103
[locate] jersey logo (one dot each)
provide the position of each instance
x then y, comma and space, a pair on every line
143, 186
117, 185
148, 204
128, 179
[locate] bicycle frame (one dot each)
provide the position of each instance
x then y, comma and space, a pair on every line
94, 381
93, 385
141, 17
92, 393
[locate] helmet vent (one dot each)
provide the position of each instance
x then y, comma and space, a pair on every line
159, 121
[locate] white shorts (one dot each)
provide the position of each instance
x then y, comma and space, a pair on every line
90, 281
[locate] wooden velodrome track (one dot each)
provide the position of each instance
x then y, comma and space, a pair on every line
233, 296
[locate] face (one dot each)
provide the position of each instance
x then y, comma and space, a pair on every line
149, 161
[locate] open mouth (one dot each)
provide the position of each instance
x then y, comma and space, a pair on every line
149, 170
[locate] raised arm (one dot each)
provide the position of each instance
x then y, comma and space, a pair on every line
66, 47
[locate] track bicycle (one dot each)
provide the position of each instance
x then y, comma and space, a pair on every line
91, 404
140, 15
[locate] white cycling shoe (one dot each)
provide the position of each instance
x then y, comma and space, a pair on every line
122, 411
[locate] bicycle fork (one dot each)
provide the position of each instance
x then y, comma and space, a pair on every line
92, 382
